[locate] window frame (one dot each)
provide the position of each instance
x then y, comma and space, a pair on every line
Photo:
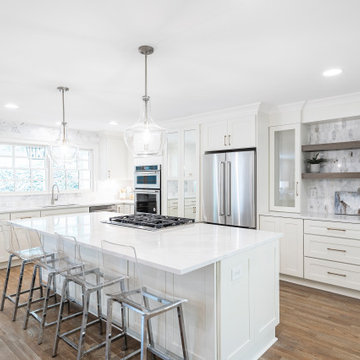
49, 180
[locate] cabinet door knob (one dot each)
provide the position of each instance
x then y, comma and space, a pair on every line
229, 140
224, 140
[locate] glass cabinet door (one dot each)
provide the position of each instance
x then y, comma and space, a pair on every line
284, 168
173, 173
190, 170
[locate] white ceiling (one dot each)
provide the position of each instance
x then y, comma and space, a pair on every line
209, 54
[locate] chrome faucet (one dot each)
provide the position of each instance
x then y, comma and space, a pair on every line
53, 197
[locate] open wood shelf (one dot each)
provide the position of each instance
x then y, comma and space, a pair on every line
343, 175
348, 145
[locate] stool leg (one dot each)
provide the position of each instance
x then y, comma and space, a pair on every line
83, 324
45, 307
60, 316
99, 305
17, 298
28, 308
144, 340
182, 332
148, 324
54, 281
123, 321
123, 315
6, 282
68, 298
41, 282
108, 329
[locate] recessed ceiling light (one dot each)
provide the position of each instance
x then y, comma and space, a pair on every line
11, 106
332, 72
114, 123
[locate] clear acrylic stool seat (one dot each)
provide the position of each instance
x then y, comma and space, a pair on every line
55, 264
148, 305
27, 250
91, 278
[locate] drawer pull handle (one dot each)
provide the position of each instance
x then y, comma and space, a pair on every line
25, 217
335, 229
339, 250
336, 274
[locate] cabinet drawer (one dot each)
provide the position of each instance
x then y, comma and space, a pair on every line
51, 212
331, 248
190, 202
5, 216
331, 228
25, 215
333, 273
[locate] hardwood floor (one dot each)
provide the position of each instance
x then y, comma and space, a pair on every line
314, 325
317, 325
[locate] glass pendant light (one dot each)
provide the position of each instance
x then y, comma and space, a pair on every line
63, 151
145, 138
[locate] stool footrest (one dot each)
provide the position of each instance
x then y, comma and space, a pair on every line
95, 347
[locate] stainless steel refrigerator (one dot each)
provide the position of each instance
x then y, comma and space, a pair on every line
229, 188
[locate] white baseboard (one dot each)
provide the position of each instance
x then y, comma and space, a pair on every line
321, 286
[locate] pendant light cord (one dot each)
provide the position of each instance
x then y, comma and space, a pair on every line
146, 97
62, 89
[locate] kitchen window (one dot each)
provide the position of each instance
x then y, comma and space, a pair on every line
74, 175
27, 169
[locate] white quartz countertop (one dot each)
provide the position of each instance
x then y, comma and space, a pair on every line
60, 205
178, 250
315, 216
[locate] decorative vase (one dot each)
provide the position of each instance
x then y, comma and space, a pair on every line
314, 168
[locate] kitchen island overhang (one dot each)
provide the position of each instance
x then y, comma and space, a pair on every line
229, 275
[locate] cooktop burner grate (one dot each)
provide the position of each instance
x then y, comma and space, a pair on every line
149, 221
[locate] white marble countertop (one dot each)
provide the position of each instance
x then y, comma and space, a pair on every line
178, 250
315, 216
60, 205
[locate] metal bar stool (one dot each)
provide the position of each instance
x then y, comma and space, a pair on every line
56, 264
91, 279
138, 300
27, 250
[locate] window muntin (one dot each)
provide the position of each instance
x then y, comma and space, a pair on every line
22, 168
26, 169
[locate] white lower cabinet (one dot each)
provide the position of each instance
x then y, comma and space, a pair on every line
3, 241
125, 208
24, 215
51, 212
173, 207
334, 273
291, 245
332, 253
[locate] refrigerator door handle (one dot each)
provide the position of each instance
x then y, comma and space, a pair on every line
222, 188
228, 188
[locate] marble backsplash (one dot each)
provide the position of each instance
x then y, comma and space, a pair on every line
320, 194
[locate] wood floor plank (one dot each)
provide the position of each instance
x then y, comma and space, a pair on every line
314, 325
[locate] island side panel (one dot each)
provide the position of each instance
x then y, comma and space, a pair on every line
199, 288
248, 302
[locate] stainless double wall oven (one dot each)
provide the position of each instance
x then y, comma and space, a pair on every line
148, 189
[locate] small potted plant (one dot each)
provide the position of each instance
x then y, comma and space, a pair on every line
315, 162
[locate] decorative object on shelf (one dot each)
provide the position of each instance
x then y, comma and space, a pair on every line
347, 202
315, 162
63, 151
145, 137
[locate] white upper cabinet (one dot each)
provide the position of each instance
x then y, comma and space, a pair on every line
115, 159
236, 133
285, 168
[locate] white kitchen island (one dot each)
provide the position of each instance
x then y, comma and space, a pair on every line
229, 276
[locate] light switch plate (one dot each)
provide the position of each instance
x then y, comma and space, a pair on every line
236, 273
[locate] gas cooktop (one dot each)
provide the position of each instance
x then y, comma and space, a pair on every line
149, 221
